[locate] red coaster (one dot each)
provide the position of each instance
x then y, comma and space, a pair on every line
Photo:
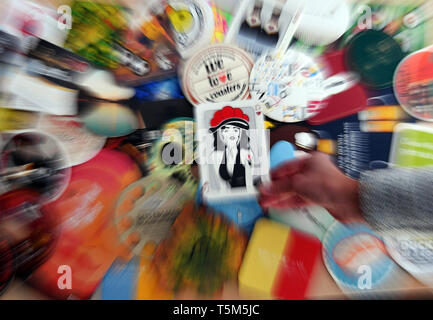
345, 103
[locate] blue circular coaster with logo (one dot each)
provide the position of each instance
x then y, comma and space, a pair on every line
357, 259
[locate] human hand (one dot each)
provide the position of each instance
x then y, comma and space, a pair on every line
313, 179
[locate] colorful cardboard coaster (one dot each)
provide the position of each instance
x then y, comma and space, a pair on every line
203, 252
88, 200
147, 208
278, 262
88, 243
413, 251
218, 73
190, 23
375, 56
357, 259
95, 29
80, 144
413, 84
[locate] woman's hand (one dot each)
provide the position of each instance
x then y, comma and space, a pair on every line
313, 179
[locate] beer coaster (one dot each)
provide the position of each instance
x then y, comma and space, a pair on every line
190, 23
37, 160
357, 259
413, 251
413, 84
81, 145
375, 56
290, 86
218, 73
147, 208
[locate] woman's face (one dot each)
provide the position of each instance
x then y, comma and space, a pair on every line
230, 134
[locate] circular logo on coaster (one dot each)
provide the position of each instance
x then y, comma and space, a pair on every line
191, 24
375, 56
413, 84
356, 258
413, 251
291, 87
218, 73
37, 160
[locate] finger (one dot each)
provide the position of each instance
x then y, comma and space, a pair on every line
288, 169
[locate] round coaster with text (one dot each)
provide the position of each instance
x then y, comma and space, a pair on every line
81, 144
290, 86
413, 251
413, 84
357, 259
191, 24
218, 73
147, 208
37, 160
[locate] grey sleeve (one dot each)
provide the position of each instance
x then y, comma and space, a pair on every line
398, 198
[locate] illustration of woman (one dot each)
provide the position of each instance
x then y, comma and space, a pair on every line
231, 153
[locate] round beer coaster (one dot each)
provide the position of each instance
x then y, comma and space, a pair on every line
375, 56
191, 24
147, 208
176, 150
218, 73
81, 145
357, 259
413, 251
36, 160
413, 84
290, 87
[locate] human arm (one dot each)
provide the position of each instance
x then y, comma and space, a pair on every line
388, 198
